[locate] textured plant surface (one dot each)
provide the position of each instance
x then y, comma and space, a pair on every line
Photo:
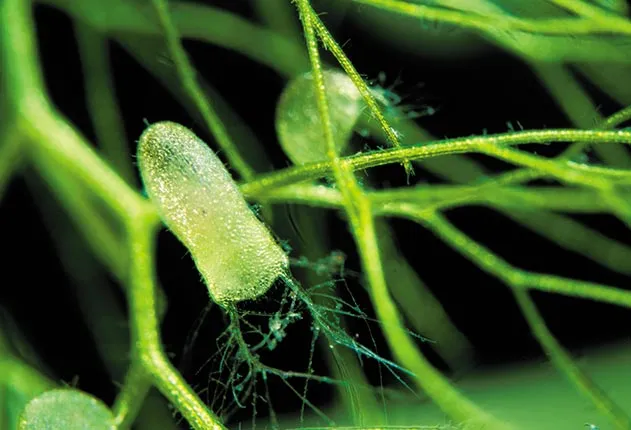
326, 99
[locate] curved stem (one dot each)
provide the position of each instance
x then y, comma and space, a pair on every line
562, 360
493, 145
357, 207
147, 348
491, 24
101, 100
187, 73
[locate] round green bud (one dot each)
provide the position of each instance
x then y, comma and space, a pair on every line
298, 123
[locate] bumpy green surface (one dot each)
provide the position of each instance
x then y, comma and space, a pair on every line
68, 410
200, 202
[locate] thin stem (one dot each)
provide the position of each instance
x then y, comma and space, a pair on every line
103, 240
492, 145
617, 119
23, 83
563, 362
350, 70
187, 73
357, 207
491, 24
22, 377
279, 16
574, 100
10, 157
52, 137
147, 347
558, 199
193, 21
131, 397
101, 100
563, 230
520, 280
593, 13
496, 266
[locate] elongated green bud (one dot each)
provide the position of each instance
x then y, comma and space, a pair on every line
201, 204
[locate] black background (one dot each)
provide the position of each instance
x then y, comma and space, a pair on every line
483, 92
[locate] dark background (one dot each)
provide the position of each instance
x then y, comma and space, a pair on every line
482, 92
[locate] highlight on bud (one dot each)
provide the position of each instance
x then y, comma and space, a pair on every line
201, 204
298, 123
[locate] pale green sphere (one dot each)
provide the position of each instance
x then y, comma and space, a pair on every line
298, 123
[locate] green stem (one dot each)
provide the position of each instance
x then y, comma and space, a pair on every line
27, 380
187, 76
358, 209
496, 266
23, 82
10, 157
147, 347
55, 139
278, 16
100, 235
193, 21
131, 397
519, 281
101, 100
369, 99
563, 362
493, 145
618, 118
491, 24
